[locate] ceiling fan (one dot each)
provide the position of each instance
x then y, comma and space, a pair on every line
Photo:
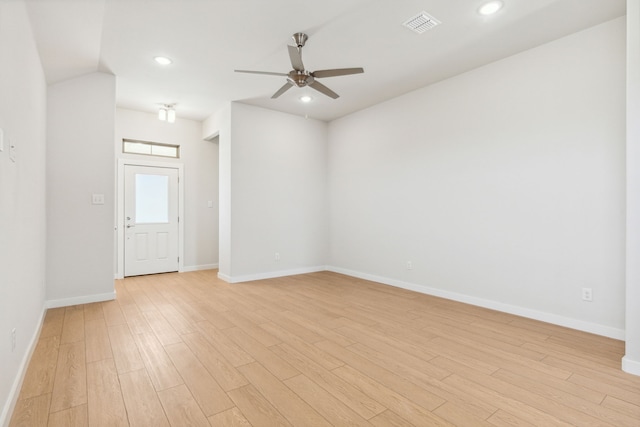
301, 77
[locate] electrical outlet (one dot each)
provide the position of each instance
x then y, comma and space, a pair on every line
587, 294
409, 265
277, 256
13, 339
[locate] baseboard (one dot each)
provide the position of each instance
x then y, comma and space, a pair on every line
224, 277
14, 392
270, 275
187, 269
555, 319
65, 302
631, 366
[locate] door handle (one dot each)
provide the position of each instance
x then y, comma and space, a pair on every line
129, 225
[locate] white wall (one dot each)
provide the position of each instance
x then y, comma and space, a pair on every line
22, 198
277, 193
80, 126
200, 159
503, 186
631, 361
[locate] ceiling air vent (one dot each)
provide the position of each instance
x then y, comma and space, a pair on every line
421, 22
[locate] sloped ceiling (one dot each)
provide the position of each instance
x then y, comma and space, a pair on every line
208, 39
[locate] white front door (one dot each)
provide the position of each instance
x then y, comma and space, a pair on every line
150, 220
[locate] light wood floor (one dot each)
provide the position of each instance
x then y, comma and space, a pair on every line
315, 350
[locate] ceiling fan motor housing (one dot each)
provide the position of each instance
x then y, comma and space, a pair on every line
300, 78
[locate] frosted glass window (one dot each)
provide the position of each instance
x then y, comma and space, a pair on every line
136, 148
164, 151
150, 148
152, 199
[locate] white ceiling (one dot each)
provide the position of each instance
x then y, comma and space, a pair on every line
208, 39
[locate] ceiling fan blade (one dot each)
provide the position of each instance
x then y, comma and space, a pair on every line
268, 73
295, 55
323, 89
282, 90
337, 72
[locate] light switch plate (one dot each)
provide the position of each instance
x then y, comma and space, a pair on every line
97, 199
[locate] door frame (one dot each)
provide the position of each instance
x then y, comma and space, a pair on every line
120, 228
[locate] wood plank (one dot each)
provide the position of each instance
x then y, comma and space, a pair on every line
72, 417
93, 311
292, 407
460, 415
630, 409
557, 384
31, 412
326, 333
163, 330
274, 363
232, 351
504, 419
224, 372
256, 408
125, 351
181, 408
70, 384
105, 404
229, 418
324, 402
384, 377
140, 399
206, 391
180, 323
159, 366
355, 399
98, 345
568, 399
73, 325
112, 313
250, 328
136, 320
389, 419
506, 402
399, 404
312, 352
405, 364
41, 372
52, 324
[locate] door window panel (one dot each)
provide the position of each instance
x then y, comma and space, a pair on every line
152, 199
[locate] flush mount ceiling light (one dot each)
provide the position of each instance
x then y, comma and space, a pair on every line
490, 8
163, 60
167, 113
305, 98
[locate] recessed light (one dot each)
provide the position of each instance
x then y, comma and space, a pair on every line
490, 8
305, 98
162, 60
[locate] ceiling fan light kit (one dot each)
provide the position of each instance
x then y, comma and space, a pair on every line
301, 77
